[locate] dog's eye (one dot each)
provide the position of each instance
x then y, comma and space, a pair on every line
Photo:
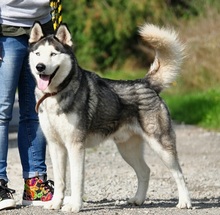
53, 54
37, 53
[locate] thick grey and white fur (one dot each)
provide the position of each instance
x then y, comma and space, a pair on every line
78, 109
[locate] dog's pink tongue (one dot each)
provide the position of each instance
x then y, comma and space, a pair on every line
43, 82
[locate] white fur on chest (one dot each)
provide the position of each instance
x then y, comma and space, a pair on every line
57, 126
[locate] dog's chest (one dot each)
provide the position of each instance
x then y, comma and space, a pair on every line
52, 116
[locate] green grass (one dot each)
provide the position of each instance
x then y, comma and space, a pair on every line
196, 108
124, 74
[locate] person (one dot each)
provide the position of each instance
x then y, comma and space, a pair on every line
16, 19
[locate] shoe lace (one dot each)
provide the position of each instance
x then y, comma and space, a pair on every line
5, 191
49, 184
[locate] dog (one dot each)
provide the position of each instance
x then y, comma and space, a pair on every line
79, 109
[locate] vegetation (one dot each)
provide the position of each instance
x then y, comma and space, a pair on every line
106, 40
196, 108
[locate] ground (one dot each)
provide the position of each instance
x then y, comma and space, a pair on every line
110, 181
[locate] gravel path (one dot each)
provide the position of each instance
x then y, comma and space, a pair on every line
110, 181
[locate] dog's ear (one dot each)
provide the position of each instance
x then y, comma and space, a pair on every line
36, 33
63, 35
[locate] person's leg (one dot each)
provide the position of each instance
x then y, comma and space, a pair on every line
31, 141
9, 75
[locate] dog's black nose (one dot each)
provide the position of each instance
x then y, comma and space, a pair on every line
40, 67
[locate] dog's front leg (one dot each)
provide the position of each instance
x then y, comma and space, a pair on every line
58, 156
76, 154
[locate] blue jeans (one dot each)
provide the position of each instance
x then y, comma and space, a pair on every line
15, 74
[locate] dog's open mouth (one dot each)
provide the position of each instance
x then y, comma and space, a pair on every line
45, 80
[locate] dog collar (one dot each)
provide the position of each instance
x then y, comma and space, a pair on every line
46, 95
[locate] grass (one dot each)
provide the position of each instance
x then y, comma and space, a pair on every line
196, 108
124, 74
201, 36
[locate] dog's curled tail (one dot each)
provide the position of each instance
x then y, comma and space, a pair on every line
169, 54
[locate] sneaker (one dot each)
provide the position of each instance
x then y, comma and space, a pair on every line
6, 198
37, 192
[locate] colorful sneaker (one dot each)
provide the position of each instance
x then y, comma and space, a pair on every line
6, 198
37, 192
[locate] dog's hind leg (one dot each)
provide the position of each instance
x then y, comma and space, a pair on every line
164, 145
132, 152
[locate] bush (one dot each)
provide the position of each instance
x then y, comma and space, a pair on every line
105, 32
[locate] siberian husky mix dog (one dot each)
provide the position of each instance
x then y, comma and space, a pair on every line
78, 109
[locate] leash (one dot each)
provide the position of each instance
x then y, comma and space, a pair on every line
56, 13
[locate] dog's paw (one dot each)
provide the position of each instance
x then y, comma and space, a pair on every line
136, 201
53, 205
71, 207
184, 204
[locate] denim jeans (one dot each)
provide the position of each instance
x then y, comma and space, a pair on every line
15, 74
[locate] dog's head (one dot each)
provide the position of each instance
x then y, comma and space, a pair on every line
50, 57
